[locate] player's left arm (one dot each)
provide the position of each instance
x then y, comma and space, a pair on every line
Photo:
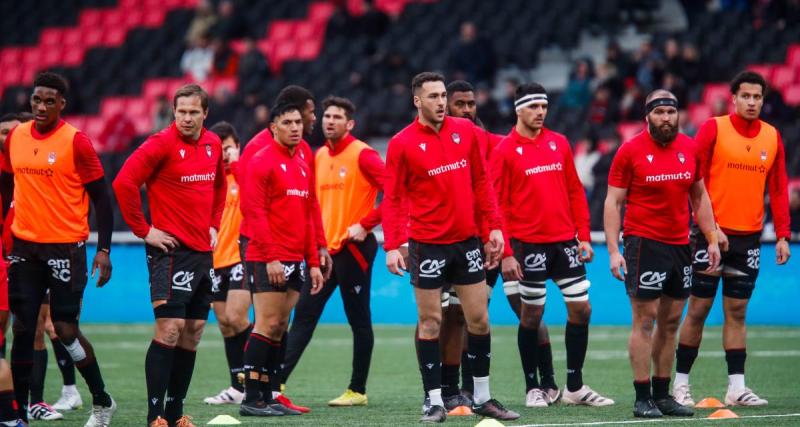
579, 207
326, 262
704, 214
485, 201
91, 172
778, 188
218, 206
374, 170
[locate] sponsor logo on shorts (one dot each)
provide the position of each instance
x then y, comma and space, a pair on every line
474, 260
13, 259
687, 277
182, 281
754, 258
431, 268
215, 280
652, 280
460, 164
665, 177
701, 256
60, 269
535, 262
288, 270
553, 167
237, 272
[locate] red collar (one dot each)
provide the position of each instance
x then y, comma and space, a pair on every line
524, 139
746, 128
185, 139
284, 150
425, 128
36, 135
340, 146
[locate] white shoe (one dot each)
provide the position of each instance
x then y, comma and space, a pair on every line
551, 395
743, 397
43, 411
535, 398
683, 394
101, 415
585, 396
70, 399
229, 396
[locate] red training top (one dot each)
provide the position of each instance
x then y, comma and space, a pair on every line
658, 180
538, 189
185, 182
443, 177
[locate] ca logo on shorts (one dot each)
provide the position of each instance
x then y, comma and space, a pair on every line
431, 268
182, 281
652, 280
60, 269
535, 262
701, 256
288, 269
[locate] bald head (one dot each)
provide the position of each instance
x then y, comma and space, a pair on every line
659, 93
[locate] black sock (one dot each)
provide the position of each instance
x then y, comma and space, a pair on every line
684, 358
449, 380
466, 373
480, 346
642, 390
528, 354
576, 338
276, 368
180, 378
660, 387
430, 363
546, 373
90, 371
38, 375
735, 358
157, 367
3, 348
7, 411
234, 353
256, 353
65, 364
363, 342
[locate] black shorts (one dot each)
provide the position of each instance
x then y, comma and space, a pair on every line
739, 266
433, 266
34, 268
294, 271
183, 278
655, 268
558, 261
228, 278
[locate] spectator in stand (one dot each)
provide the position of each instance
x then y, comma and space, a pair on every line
116, 136
204, 19
228, 24
586, 156
221, 105
671, 82
619, 59
162, 114
600, 171
650, 66
259, 122
719, 107
685, 124
672, 57
577, 95
691, 68
474, 58
198, 60
505, 104
603, 109
489, 112
774, 109
373, 23
226, 61
632, 104
391, 71
253, 68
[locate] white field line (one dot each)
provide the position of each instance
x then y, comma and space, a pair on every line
659, 420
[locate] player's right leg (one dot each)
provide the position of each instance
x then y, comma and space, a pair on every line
8, 415
70, 397
38, 409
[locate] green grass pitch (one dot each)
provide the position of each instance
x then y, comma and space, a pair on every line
394, 386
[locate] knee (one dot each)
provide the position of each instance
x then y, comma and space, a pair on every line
580, 312
530, 316
429, 326
66, 331
274, 328
698, 309
170, 331
190, 337
736, 313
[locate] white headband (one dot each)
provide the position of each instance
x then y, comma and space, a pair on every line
533, 98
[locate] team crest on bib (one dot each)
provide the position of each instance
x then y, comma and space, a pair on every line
553, 145
681, 158
456, 137
208, 150
763, 155
51, 157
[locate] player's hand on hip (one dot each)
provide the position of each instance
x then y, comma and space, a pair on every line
212, 233
618, 266
276, 273
357, 232
722, 238
102, 262
161, 239
395, 262
511, 269
317, 281
782, 252
325, 263
585, 251
714, 257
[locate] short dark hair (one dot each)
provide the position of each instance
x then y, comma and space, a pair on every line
20, 117
343, 103
294, 95
282, 108
460, 86
52, 80
748, 77
424, 77
225, 130
528, 89
191, 89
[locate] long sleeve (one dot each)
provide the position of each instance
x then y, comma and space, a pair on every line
98, 193
220, 192
311, 252
777, 186
705, 139
497, 171
257, 206
482, 188
134, 173
373, 168
395, 213
319, 230
577, 198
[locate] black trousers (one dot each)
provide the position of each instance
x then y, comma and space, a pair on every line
352, 273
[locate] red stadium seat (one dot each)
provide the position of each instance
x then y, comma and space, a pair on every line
629, 130
791, 95
793, 56
763, 69
90, 18
153, 89
52, 56
284, 51
783, 76
229, 83
93, 36
153, 18
173, 85
308, 49
113, 18
73, 55
281, 30
11, 75
138, 107
32, 56
114, 36
715, 91
320, 11
10, 55
699, 113
143, 124
133, 18
112, 106
94, 126
79, 122
72, 36
51, 37
307, 30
